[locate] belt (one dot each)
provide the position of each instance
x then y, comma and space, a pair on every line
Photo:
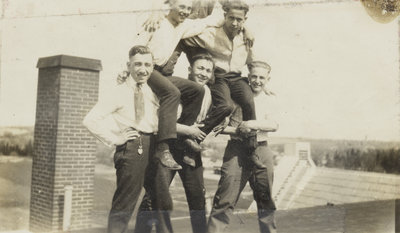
141, 132
145, 134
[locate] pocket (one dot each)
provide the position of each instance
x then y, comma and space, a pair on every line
119, 152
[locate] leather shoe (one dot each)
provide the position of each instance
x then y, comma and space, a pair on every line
189, 161
168, 161
255, 160
193, 145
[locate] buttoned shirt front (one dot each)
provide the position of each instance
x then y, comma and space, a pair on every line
114, 113
229, 55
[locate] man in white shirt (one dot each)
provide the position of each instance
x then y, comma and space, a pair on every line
236, 170
200, 71
230, 52
128, 120
173, 90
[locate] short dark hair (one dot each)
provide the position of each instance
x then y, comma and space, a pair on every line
261, 64
139, 49
235, 4
205, 56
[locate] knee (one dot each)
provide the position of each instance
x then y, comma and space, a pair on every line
174, 93
222, 203
262, 194
226, 195
195, 91
169, 92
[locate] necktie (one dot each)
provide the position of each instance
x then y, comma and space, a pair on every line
139, 103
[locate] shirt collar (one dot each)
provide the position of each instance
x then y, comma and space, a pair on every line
240, 35
259, 95
132, 83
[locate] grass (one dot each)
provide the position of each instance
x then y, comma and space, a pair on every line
15, 180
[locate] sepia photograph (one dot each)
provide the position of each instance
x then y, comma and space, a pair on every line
203, 116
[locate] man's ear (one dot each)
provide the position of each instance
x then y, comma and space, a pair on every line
128, 64
190, 69
224, 14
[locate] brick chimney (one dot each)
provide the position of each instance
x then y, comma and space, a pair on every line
64, 151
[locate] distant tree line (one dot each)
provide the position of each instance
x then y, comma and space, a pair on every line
16, 144
357, 157
8, 149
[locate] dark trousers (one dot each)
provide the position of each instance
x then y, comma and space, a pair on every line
172, 91
235, 173
130, 170
157, 202
168, 68
224, 91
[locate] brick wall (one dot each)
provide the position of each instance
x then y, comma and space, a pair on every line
64, 151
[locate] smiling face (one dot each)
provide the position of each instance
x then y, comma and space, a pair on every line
180, 10
140, 67
258, 78
201, 71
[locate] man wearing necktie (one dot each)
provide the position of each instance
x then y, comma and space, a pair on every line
128, 119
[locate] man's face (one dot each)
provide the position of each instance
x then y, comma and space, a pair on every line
258, 77
140, 67
201, 71
180, 10
234, 20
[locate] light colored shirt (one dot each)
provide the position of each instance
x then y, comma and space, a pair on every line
266, 109
110, 116
229, 55
164, 40
205, 105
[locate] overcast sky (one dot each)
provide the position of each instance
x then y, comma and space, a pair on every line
335, 71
